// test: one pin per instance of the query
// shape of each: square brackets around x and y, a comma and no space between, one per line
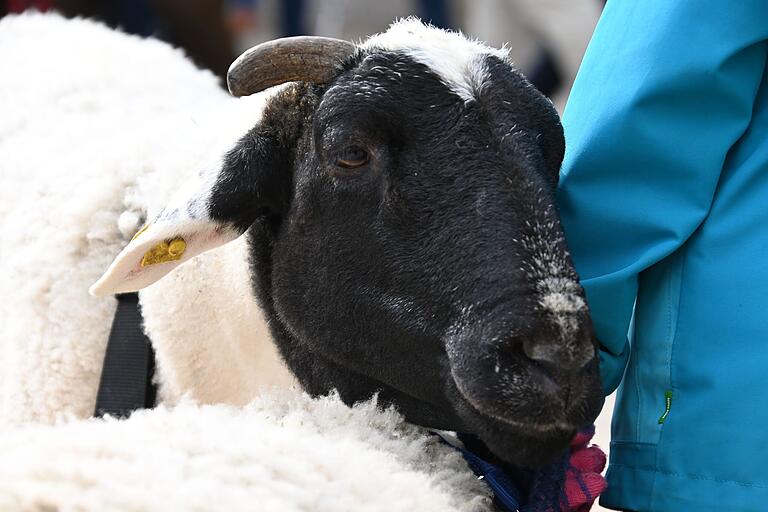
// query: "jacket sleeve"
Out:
[666,88]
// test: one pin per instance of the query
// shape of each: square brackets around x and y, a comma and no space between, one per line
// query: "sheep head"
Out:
[398,203]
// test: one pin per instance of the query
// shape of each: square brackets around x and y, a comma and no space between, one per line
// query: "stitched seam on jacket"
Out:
[631,443]
[673,336]
[689,476]
[638,392]
[683,263]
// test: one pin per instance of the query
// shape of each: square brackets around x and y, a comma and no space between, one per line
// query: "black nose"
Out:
[562,347]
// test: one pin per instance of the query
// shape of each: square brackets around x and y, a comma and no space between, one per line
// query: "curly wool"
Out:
[283,452]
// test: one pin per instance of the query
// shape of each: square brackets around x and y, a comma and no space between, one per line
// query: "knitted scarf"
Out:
[571,484]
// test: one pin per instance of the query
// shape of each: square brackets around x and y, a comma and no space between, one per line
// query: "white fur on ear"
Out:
[159,248]
[182,230]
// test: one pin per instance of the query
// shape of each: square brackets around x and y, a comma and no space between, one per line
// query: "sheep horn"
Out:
[302,58]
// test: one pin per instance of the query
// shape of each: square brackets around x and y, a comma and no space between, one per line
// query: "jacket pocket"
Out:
[648,390]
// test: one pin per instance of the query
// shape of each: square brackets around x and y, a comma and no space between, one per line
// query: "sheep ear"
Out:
[213,209]
[183,230]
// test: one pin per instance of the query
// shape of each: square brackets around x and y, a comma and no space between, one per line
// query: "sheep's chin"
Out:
[535,426]
[523,444]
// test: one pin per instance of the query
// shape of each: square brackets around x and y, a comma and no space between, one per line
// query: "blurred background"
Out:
[546,38]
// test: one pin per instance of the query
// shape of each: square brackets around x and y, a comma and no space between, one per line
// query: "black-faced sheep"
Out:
[401,237]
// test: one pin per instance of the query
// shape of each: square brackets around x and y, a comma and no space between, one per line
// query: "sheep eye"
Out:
[352,158]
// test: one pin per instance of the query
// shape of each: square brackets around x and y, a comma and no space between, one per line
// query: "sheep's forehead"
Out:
[456,59]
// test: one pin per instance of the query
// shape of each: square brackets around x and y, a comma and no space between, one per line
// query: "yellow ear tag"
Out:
[164,252]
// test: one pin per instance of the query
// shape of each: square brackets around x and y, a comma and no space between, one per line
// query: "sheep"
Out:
[385,227]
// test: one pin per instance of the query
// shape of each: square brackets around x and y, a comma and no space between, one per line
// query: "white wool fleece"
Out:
[281,453]
[97,130]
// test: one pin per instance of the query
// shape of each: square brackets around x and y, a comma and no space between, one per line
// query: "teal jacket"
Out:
[664,199]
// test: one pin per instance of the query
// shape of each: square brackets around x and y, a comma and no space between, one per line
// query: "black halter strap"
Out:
[129,363]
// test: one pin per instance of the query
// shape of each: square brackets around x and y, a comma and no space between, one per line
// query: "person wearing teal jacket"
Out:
[664,201]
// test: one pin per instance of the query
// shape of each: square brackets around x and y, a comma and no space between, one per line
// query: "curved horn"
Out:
[302,58]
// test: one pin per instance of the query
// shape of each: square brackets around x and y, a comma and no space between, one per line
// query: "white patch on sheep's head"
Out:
[456,59]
